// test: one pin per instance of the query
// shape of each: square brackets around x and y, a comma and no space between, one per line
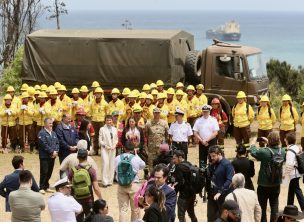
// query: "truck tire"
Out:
[192,67]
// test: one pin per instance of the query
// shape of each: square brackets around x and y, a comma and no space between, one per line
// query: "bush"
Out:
[12,73]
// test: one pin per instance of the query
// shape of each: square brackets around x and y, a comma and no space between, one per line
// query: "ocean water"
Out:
[280,35]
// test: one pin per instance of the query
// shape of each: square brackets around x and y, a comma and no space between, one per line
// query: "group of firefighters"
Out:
[22,117]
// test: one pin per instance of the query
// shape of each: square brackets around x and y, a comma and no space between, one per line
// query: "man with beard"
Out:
[230,212]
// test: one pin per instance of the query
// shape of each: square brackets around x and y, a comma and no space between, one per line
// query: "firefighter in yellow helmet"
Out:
[26,113]
[171,103]
[148,107]
[146,88]
[43,87]
[84,95]
[160,86]
[37,87]
[180,102]
[116,104]
[154,93]
[153,86]
[76,102]
[137,113]
[15,100]
[94,85]
[180,86]
[243,116]
[266,118]
[31,91]
[64,99]
[43,109]
[57,85]
[24,87]
[289,117]
[125,93]
[128,109]
[164,110]
[142,99]
[194,109]
[8,114]
[200,95]
[98,111]
[56,107]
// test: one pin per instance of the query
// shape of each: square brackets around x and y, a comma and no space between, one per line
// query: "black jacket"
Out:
[246,167]
[163,158]
[153,214]
[85,136]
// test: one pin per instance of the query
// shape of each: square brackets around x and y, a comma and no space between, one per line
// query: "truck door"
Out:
[228,76]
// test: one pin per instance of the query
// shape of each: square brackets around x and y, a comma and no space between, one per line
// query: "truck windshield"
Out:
[256,66]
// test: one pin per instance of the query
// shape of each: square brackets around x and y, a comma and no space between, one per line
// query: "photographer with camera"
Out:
[187,196]
[221,173]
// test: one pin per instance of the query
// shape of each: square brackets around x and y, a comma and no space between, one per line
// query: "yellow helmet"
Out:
[132,95]
[161,96]
[24,87]
[149,96]
[286,98]
[61,88]
[146,87]
[31,91]
[200,87]
[75,91]
[179,92]
[98,90]
[95,84]
[126,91]
[42,95]
[179,85]
[7,96]
[153,86]
[37,92]
[241,95]
[37,87]
[136,92]
[57,85]
[84,89]
[142,95]
[154,92]
[115,91]
[264,99]
[43,87]
[170,91]
[50,88]
[190,87]
[159,83]
[10,89]
[24,95]
[53,92]
[137,109]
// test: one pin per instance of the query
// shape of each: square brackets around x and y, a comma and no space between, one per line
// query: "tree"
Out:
[56,10]
[17,18]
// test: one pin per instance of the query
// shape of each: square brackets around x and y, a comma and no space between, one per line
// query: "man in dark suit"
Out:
[67,136]
[11,181]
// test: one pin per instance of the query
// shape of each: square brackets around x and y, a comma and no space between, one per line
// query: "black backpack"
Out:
[196,178]
[300,160]
[275,166]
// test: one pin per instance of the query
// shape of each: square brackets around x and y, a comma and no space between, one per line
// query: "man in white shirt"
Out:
[205,130]
[62,206]
[179,132]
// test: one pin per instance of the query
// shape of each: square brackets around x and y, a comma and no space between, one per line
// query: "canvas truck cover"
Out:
[115,58]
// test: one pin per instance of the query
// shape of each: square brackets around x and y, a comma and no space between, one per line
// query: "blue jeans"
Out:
[294,189]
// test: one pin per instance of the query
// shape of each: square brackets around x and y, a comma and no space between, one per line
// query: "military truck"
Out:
[131,58]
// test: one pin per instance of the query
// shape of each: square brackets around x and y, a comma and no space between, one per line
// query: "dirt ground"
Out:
[109,194]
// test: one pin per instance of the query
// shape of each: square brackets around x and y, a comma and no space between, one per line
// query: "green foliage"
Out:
[12,73]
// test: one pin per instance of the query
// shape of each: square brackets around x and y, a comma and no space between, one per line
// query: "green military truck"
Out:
[131,58]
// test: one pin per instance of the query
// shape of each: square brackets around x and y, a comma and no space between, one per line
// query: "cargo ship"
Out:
[228,32]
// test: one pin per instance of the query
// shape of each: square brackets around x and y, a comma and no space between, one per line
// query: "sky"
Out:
[266,5]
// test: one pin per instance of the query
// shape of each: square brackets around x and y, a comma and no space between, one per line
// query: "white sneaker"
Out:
[42,192]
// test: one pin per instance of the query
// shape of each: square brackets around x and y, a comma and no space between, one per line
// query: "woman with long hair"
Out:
[99,213]
[84,132]
[133,133]
[155,209]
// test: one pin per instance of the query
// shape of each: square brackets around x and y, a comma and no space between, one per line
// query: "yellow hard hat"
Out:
[42,95]
[126,91]
[190,87]
[137,109]
[50,88]
[43,87]
[170,91]
[200,86]
[31,91]
[179,92]
[264,99]
[136,92]
[146,87]
[61,88]
[179,85]
[161,96]
[153,86]
[37,87]
[24,95]
[286,98]
[95,84]
[53,92]
[57,85]
[149,96]
[37,92]
[75,91]
[115,91]
[241,95]
[10,89]
[24,87]
[98,90]
[154,92]
[7,96]
[159,83]
[142,95]
[132,95]
[84,89]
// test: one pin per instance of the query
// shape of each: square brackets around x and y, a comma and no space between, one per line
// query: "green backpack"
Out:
[125,174]
[81,182]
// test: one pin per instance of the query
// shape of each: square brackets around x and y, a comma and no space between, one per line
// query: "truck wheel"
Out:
[192,67]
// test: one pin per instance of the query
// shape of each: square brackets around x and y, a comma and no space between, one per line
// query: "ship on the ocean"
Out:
[228,32]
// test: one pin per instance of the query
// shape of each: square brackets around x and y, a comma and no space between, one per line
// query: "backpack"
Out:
[196,178]
[81,182]
[269,111]
[275,166]
[125,172]
[300,160]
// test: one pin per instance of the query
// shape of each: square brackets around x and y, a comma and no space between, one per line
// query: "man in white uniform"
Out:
[62,206]
[179,132]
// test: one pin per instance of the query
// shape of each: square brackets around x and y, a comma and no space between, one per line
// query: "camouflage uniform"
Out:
[157,133]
